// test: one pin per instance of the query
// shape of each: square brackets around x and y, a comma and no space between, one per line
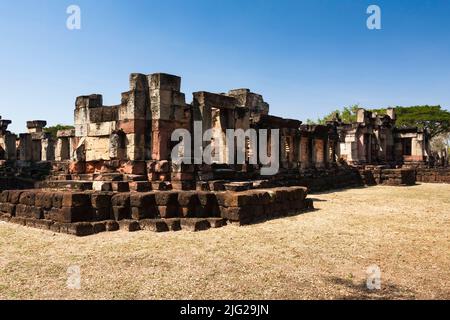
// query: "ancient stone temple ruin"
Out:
[374,139]
[115,168]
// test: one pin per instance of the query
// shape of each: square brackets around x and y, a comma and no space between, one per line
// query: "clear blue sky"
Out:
[306,57]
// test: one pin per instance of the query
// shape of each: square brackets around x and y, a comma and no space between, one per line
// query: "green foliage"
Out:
[347,114]
[54,129]
[434,118]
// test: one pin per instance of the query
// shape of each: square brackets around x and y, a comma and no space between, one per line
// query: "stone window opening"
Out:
[407,146]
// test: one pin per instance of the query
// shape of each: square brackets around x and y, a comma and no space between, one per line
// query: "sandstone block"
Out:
[121,199]
[129,225]
[111,225]
[120,212]
[26,211]
[165,198]
[156,225]
[81,229]
[27,198]
[217,222]
[76,199]
[70,214]
[194,224]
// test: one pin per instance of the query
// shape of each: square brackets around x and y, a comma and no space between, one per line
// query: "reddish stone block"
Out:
[120,212]
[102,214]
[44,200]
[194,224]
[18,220]
[8,208]
[76,199]
[121,199]
[237,213]
[26,211]
[147,199]
[166,197]
[27,198]
[57,199]
[174,224]
[138,213]
[14,196]
[129,225]
[162,166]
[136,126]
[70,214]
[43,224]
[77,167]
[169,211]
[5,217]
[133,167]
[156,225]
[181,176]
[101,200]
[80,229]
[111,225]
[235,199]
[140,186]
[120,186]
[4,196]
[217,222]
[99,226]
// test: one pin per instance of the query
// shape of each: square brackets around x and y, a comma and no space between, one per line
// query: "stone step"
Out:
[65,185]
[228,174]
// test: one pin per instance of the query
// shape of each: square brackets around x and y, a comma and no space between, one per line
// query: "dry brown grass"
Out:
[321,254]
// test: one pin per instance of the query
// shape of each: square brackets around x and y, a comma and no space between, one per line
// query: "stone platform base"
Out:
[86,212]
[82,229]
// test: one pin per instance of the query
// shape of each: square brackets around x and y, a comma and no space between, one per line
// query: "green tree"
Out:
[347,114]
[54,129]
[434,118]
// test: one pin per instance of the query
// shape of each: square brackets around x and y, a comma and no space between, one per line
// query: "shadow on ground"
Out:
[359,290]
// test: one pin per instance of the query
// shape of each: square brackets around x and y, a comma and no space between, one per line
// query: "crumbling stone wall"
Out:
[433,175]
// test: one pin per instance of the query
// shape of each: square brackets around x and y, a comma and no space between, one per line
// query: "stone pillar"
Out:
[36,126]
[117,147]
[7,141]
[304,152]
[318,153]
[168,111]
[25,147]
[62,151]
[48,148]
[8,146]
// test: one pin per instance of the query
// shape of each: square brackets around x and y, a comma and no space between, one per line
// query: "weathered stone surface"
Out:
[129,225]
[99,226]
[27,211]
[120,212]
[121,199]
[217,222]
[111,225]
[166,198]
[27,198]
[70,214]
[76,199]
[80,229]
[156,225]
[194,224]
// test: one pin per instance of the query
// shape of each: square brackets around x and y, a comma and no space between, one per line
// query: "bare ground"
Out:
[322,254]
